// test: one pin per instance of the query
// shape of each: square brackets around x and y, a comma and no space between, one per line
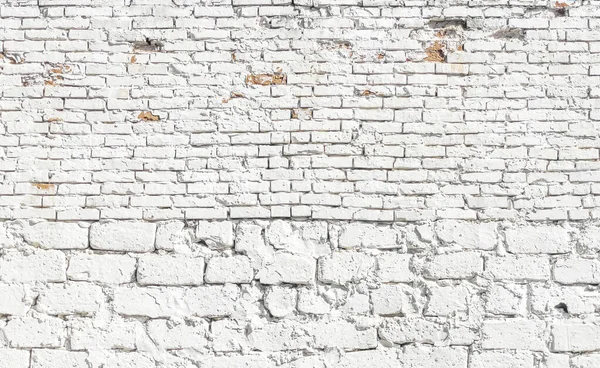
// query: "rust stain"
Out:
[266,79]
[232,96]
[148,116]
[43,186]
[133,59]
[50,82]
[61,69]
[233,56]
[435,52]
[380,56]
[561,5]
[54,119]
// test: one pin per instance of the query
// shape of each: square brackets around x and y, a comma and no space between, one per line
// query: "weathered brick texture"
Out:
[299,183]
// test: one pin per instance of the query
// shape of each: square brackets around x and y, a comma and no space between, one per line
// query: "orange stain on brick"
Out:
[148,116]
[43,186]
[266,79]
[435,52]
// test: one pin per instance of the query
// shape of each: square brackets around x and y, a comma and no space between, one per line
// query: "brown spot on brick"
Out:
[50,82]
[460,47]
[561,9]
[233,57]
[133,59]
[266,79]
[232,96]
[367,92]
[380,56]
[43,186]
[61,69]
[15,59]
[303,114]
[435,52]
[148,116]
[54,119]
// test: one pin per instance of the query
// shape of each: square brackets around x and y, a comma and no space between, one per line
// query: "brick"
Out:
[538,239]
[48,266]
[454,265]
[514,334]
[192,333]
[288,268]
[468,235]
[235,270]
[56,235]
[69,299]
[574,336]
[123,236]
[29,332]
[519,268]
[577,271]
[344,267]
[14,358]
[205,301]
[103,268]
[170,270]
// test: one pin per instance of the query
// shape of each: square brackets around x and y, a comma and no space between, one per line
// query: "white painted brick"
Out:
[541,239]
[280,301]
[14,358]
[170,270]
[410,330]
[13,301]
[103,268]
[72,298]
[468,235]
[497,359]
[235,270]
[394,267]
[217,234]
[177,334]
[370,236]
[123,236]
[577,271]
[344,267]
[29,332]
[56,235]
[415,179]
[48,266]
[454,265]
[518,268]
[49,358]
[288,268]
[574,336]
[205,301]
[395,299]
[115,334]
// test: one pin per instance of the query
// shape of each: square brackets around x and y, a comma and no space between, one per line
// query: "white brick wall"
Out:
[299,183]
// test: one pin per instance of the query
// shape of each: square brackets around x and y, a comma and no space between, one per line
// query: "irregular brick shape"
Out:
[289,269]
[170,270]
[103,268]
[538,239]
[123,236]
[57,235]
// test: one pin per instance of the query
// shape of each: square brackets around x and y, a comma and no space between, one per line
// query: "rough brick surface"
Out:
[299,183]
